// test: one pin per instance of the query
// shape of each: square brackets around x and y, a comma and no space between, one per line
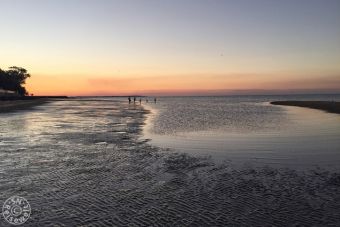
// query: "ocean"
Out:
[247,129]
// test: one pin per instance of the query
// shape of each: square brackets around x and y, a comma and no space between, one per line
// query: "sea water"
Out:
[247,129]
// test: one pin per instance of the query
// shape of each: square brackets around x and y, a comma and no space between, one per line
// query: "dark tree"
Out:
[13,79]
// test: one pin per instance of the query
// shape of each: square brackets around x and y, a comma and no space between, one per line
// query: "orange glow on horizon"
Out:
[171,84]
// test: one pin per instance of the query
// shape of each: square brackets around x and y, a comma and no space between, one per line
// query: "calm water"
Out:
[247,129]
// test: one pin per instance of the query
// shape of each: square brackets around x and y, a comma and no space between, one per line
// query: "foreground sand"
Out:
[332,107]
[85,165]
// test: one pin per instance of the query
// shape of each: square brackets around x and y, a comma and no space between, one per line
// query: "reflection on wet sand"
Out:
[246,130]
[94,169]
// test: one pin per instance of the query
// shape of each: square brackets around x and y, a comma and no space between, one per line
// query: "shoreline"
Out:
[18,105]
[328,106]
[24,103]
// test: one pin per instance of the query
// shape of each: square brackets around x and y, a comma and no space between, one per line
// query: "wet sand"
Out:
[9,104]
[106,175]
[331,107]
[16,105]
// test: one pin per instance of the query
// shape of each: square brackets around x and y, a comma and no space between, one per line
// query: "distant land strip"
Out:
[328,106]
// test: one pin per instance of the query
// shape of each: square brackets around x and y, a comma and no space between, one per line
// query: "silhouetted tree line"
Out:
[13,79]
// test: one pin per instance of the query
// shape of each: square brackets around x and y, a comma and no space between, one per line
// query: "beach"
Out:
[170,113]
[6,106]
[84,162]
[10,104]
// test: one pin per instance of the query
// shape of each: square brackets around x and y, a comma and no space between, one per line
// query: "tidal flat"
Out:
[83,162]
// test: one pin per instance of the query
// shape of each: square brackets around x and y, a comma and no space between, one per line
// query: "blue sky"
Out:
[267,42]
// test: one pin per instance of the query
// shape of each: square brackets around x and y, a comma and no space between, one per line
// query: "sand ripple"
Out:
[98,177]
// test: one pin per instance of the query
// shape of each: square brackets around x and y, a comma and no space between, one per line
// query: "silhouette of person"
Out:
[140,101]
[147,100]
[129,99]
[155,100]
[134,99]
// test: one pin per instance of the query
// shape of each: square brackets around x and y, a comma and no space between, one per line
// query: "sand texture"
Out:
[103,174]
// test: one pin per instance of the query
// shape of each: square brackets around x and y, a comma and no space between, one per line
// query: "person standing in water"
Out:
[155,99]
[129,99]
[134,100]
[140,101]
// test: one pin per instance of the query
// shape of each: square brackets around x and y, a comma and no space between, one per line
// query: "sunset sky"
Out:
[174,47]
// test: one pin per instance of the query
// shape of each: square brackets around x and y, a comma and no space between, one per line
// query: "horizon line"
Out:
[246,92]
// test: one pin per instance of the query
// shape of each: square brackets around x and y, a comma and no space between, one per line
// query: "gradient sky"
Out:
[102,47]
